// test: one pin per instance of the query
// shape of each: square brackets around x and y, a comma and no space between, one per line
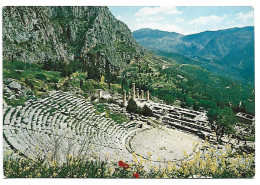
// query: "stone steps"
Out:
[38,122]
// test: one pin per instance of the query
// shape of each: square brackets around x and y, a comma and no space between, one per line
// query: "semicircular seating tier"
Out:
[64,124]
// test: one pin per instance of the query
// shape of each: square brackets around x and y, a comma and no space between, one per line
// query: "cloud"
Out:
[150,19]
[207,19]
[162,10]
[245,16]
[179,20]
[156,18]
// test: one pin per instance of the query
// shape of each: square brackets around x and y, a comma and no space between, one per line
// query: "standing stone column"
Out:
[99,94]
[129,95]
[147,96]
[137,93]
[133,84]
[124,98]
[142,94]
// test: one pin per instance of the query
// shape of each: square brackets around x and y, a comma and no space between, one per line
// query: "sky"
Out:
[184,19]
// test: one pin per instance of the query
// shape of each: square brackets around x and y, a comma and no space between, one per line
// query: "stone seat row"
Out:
[23,124]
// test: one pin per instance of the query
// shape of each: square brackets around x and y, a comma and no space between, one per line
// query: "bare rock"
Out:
[12,97]
[15,86]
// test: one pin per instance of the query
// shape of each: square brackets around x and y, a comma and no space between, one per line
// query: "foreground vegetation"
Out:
[202,164]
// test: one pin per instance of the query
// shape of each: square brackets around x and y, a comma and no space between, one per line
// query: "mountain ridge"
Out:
[208,46]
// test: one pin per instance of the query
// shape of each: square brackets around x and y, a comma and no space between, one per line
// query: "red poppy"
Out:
[121,164]
[136,175]
[125,166]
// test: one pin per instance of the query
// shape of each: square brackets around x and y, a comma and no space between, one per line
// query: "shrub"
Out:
[132,106]
[40,76]
[146,111]
[118,118]
[110,101]
[87,86]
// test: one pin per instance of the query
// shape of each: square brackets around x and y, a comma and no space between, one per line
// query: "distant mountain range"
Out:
[226,52]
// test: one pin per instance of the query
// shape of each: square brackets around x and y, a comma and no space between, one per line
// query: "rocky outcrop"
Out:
[15,86]
[13,89]
[65,34]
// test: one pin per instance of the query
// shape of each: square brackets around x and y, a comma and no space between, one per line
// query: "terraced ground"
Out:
[62,124]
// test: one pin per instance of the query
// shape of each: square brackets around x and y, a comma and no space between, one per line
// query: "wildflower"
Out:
[70,156]
[136,175]
[111,170]
[149,154]
[141,159]
[164,175]
[134,154]
[135,160]
[125,166]
[169,166]
[213,168]
[55,174]
[242,166]
[38,175]
[185,153]
[121,164]
[53,163]
[174,166]
[49,155]
[8,152]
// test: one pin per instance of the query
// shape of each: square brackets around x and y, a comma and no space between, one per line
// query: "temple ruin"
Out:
[133,89]
[175,117]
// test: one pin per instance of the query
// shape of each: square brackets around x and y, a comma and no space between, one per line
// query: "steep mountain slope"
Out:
[65,34]
[156,39]
[232,48]
[146,32]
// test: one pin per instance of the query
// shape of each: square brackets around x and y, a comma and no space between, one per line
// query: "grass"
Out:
[250,138]
[31,76]
[118,117]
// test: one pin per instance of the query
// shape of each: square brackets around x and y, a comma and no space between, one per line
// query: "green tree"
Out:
[196,106]
[146,111]
[190,102]
[87,86]
[108,72]
[222,121]
[132,106]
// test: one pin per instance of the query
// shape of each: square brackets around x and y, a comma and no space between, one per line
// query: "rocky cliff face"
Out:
[82,34]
